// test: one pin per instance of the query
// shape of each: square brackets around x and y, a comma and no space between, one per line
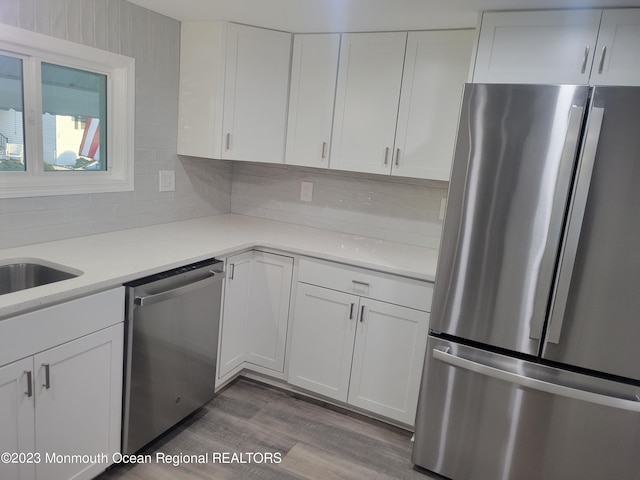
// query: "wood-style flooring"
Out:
[313,441]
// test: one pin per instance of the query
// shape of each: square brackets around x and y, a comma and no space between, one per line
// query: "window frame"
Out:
[33,49]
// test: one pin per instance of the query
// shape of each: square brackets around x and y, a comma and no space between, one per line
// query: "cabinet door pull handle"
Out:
[47,376]
[362,314]
[386,156]
[397,157]
[232,266]
[604,54]
[29,392]
[586,57]
[358,282]
[324,149]
[351,311]
[228,142]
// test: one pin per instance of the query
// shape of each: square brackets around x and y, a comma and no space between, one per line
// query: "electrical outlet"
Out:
[306,191]
[167,181]
[443,208]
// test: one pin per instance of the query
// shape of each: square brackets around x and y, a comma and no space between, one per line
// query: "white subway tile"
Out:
[113,25]
[9,12]
[27,14]
[58,18]
[126,28]
[87,22]
[74,20]
[101,24]
[43,17]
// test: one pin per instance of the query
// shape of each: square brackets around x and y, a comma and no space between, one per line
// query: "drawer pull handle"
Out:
[362,314]
[351,311]
[358,282]
[47,376]
[29,392]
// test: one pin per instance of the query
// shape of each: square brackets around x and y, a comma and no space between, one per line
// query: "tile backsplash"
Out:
[202,187]
[390,208]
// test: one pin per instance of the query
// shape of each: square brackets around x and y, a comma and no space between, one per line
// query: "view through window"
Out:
[73,119]
[12,156]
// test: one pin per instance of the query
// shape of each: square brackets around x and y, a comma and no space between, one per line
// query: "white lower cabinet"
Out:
[234,321]
[355,349]
[387,359]
[17,431]
[63,401]
[64,394]
[256,312]
[322,344]
[78,388]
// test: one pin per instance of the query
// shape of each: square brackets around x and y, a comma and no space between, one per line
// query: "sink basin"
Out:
[28,274]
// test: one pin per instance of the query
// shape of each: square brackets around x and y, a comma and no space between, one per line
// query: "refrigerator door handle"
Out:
[574,222]
[569,152]
[536,384]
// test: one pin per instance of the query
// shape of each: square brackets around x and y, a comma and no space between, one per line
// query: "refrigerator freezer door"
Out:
[510,182]
[487,416]
[594,319]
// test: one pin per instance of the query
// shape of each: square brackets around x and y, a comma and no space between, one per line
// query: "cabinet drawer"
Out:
[33,332]
[367,283]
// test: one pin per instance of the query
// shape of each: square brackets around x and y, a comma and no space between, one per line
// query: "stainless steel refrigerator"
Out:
[532,368]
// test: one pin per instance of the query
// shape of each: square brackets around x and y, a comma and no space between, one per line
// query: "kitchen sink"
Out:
[31,273]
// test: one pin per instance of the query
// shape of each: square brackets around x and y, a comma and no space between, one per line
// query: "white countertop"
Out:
[110,259]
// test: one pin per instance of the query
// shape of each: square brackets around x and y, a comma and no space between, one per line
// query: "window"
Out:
[66,117]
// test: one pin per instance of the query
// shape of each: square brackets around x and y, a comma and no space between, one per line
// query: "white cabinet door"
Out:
[17,430]
[235,312]
[201,92]
[268,310]
[435,70]
[617,60]
[256,92]
[555,46]
[324,327]
[387,360]
[78,393]
[314,68]
[367,97]
[256,311]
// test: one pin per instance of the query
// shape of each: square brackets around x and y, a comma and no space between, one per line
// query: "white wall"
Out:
[202,187]
[399,209]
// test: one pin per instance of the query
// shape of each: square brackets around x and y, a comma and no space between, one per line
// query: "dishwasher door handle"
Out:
[176,292]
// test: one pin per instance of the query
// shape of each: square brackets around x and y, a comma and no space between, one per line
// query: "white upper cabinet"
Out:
[367,96]
[234,84]
[314,68]
[617,60]
[256,94]
[435,69]
[537,46]
[595,47]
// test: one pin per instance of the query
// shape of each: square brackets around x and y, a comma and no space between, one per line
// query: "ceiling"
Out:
[356,15]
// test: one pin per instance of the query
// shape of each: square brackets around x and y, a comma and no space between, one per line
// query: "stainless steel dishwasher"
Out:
[170,349]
